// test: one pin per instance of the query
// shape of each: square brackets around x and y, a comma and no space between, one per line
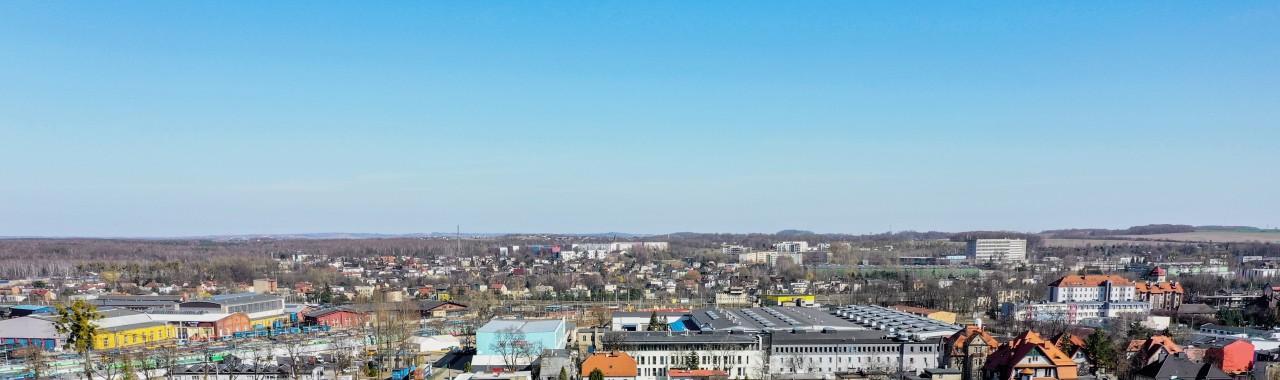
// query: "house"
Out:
[1235,358]
[553,362]
[967,351]
[1073,346]
[1029,356]
[615,365]
[1178,367]
[1151,350]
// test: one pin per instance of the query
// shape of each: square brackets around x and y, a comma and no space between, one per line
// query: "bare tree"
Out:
[36,360]
[166,357]
[515,349]
[391,324]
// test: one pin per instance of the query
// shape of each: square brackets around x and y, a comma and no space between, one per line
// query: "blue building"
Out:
[547,334]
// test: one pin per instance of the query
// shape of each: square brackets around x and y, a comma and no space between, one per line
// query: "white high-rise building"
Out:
[998,250]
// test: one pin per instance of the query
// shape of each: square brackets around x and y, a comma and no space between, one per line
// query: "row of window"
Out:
[850,349]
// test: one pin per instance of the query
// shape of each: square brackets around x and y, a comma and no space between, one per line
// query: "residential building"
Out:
[553,362]
[614,365]
[1029,356]
[1235,358]
[997,250]
[1073,312]
[791,246]
[1093,288]
[967,351]
[1178,367]
[1161,293]
[656,353]
[1151,350]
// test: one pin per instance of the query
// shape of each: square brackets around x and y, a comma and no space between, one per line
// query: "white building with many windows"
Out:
[997,250]
[851,351]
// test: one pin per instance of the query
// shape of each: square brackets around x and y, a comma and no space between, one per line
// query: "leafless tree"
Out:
[515,349]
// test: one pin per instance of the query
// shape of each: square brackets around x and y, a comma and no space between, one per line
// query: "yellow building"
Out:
[150,333]
[269,322]
[787,299]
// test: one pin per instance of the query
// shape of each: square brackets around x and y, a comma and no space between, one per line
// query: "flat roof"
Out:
[759,319]
[523,326]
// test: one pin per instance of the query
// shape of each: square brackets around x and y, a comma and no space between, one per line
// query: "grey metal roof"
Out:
[642,337]
[761,319]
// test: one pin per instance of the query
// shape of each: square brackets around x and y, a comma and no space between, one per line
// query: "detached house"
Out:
[1029,357]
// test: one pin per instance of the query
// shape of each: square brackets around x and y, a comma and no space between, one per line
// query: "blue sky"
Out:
[185,118]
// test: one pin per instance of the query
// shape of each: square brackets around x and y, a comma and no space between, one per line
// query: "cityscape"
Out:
[1141,302]
[640,190]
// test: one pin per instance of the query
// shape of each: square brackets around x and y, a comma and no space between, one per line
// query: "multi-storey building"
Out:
[967,351]
[658,352]
[1159,292]
[997,250]
[1029,357]
[1097,288]
[850,351]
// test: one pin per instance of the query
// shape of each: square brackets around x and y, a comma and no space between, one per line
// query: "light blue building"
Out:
[540,333]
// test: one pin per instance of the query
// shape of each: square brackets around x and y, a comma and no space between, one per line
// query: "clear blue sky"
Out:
[193,118]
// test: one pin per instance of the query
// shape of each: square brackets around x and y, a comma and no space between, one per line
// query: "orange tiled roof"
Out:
[1091,281]
[962,337]
[1159,287]
[1006,358]
[612,364]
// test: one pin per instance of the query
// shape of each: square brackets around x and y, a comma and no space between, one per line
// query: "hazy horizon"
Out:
[192,119]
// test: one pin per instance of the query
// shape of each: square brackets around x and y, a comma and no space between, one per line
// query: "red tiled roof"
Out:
[612,364]
[1091,281]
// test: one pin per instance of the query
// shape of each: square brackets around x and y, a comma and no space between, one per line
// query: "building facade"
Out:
[997,250]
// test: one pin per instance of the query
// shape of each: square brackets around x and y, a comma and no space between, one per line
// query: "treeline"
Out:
[1150,229]
[23,258]
[1033,240]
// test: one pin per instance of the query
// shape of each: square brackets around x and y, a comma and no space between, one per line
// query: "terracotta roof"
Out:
[1153,342]
[1159,287]
[1091,281]
[1005,360]
[612,364]
[961,338]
